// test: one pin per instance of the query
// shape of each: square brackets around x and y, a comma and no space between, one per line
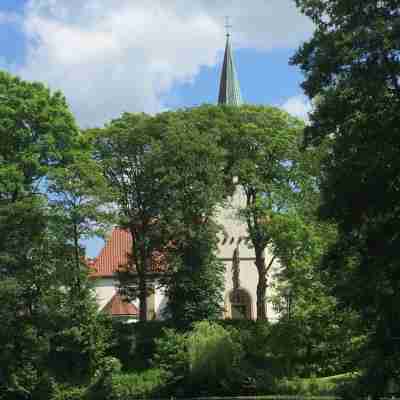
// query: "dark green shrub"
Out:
[142,385]
[213,355]
[171,355]
[132,386]
[204,360]
[134,344]
[69,393]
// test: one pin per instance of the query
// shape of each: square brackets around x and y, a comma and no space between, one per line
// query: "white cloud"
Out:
[114,56]
[298,106]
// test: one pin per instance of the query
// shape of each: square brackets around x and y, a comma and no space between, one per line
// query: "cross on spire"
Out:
[228,25]
[229,88]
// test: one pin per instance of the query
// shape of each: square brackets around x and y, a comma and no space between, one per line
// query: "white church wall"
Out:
[272,314]
[234,235]
[160,302]
[248,278]
[105,289]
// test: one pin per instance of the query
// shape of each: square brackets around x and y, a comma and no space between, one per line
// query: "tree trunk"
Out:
[142,298]
[77,260]
[139,262]
[261,285]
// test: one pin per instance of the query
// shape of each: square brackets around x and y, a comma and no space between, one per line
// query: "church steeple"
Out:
[229,89]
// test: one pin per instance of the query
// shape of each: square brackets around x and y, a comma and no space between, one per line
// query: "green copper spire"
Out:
[229,89]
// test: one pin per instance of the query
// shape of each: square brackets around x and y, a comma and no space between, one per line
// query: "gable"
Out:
[117,306]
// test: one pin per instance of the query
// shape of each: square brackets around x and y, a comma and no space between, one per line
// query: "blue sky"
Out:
[152,56]
[265,78]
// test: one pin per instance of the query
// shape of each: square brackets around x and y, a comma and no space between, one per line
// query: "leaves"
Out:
[40,151]
[352,65]
[263,153]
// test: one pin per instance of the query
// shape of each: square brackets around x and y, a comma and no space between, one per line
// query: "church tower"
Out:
[229,89]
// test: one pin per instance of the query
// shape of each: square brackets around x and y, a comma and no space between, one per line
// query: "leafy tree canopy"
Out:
[263,157]
[352,68]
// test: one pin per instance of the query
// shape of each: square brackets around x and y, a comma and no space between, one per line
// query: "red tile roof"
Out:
[118,307]
[115,254]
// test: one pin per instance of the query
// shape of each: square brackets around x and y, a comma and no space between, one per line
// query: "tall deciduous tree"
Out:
[125,150]
[352,65]
[38,137]
[37,134]
[167,176]
[78,195]
[263,150]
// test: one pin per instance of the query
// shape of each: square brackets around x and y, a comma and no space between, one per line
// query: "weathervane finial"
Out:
[228,26]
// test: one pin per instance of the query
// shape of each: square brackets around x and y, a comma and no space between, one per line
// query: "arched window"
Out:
[240,304]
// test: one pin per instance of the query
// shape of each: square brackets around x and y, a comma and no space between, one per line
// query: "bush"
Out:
[134,344]
[143,385]
[172,356]
[214,356]
[206,359]
[69,393]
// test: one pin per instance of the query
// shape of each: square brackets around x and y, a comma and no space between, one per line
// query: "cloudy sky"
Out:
[110,56]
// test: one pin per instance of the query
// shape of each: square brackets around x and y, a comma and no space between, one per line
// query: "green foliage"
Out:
[166,176]
[351,67]
[306,387]
[80,343]
[126,152]
[135,344]
[171,355]
[263,156]
[37,132]
[213,355]
[328,386]
[205,359]
[192,164]
[325,337]
[48,330]
[132,386]
[195,284]
[69,393]
[262,355]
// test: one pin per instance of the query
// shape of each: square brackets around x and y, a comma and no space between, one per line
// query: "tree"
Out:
[192,164]
[325,338]
[37,133]
[38,136]
[77,194]
[166,173]
[263,149]
[125,150]
[351,65]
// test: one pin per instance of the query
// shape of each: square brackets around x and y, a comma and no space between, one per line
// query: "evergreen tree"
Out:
[351,66]
[192,164]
